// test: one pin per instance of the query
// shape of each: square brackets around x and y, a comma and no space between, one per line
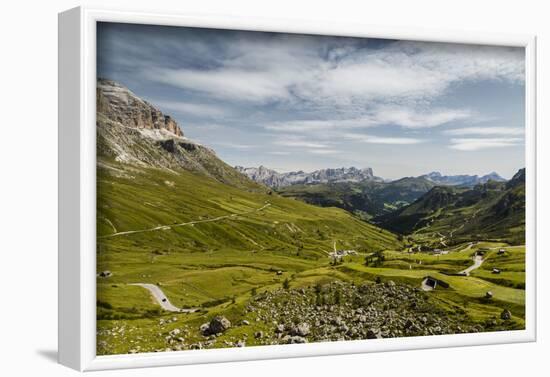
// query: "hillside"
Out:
[494,210]
[170,211]
[365,199]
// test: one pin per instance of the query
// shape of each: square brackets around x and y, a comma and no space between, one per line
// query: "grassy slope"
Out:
[218,264]
[486,212]
[205,262]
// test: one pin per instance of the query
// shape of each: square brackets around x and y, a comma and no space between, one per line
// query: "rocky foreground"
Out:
[332,312]
[340,311]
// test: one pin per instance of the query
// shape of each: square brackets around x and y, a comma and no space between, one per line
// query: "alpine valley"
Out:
[193,253]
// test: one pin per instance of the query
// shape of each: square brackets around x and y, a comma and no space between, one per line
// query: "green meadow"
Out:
[212,247]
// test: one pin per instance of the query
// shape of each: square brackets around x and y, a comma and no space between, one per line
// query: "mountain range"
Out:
[366,198]
[275,179]
[461,180]
[491,210]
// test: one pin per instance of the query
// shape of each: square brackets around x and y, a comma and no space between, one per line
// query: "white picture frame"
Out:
[77,200]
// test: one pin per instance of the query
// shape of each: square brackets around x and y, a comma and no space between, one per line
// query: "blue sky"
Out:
[297,102]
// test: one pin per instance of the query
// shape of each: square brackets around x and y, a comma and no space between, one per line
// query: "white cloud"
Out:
[297,143]
[197,109]
[231,84]
[306,126]
[323,151]
[381,115]
[293,69]
[471,144]
[234,145]
[504,131]
[279,153]
[411,118]
[371,139]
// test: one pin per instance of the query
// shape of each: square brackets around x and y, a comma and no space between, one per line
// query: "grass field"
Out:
[212,246]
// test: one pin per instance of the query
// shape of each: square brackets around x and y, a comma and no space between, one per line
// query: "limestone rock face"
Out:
[132,131]
[119,104]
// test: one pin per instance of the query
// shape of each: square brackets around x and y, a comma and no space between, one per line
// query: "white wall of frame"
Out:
[28,150]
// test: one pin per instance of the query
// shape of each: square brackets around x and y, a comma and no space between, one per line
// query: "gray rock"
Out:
[302,329]
[205,329]
[175,332]
[373,334]
[219,324]
[506,315]
[296,340]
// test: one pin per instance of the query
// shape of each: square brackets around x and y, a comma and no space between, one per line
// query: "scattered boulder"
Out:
[489,295]
[302,329]
[259,334]
[373,334]
[219,324]
[506,315]
[105,274]
[295,340]
[205,329]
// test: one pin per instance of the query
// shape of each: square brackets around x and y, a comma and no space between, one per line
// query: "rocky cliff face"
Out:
[132,131]
[119,104]
[272,178]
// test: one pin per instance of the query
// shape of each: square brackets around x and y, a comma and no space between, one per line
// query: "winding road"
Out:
[167,227]
[161,298]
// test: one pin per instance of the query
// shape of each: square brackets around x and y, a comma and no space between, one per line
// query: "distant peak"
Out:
[434,174]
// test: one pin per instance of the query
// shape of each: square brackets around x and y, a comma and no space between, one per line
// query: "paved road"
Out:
[478,261]
[161,298]
[167,227]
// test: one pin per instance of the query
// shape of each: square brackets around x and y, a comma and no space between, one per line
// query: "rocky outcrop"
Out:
[132,131]
[119,104]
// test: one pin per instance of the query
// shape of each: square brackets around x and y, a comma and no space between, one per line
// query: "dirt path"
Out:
[167,227]
[161,298]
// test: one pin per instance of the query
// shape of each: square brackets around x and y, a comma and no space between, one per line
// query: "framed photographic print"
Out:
[234,189]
